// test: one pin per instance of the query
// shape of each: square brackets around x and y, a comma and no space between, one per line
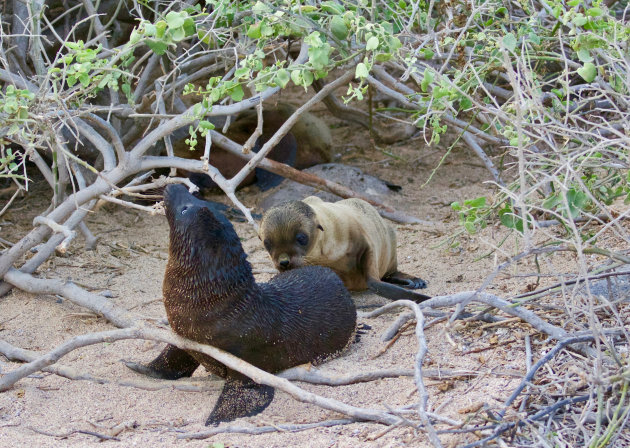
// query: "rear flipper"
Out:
[405,280]
[171,364]
[395,292]
[240,398]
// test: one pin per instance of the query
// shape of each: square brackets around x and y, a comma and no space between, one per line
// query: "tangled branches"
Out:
[538,92]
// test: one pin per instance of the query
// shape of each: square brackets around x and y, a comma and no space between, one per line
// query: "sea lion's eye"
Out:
[302,239]
[267,244]
[184,210]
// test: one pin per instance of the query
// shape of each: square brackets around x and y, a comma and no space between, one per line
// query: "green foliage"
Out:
[15,104]
[472,214]
[8,162]
[451,61]
[89,72]
[167,32]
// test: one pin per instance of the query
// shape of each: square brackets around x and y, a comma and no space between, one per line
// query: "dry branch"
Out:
[233,429]
[229,360]
[97,303]
[315,181]
[17,354]
[489,299]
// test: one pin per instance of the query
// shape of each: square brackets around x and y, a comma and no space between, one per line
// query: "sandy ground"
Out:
[130,260]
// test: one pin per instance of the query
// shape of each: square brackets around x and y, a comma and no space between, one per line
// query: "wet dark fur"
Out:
[210,296]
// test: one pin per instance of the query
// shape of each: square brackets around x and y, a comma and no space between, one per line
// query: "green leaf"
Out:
[594,12]
[178,34]
[372,43]
[314,39]
[577,201]
[307,78]
[11,107]
[338,27]
[332,8]
[266,30]
[205,124]
[559,93]
[242,72]
[236,93]
[584,55]
[204,37]
[552,202]
[261,8]
[534,38]
[318,56]
[103,82]
[470,227]
[427,80]
[383,57]
[157,46]
[509,42]
[175,19]
[361,71]
[465,104]
[456,206]
[22,113]
[579,20]
[160,29]
[74,45]
[189,27]
[510,220]
[84,78]
[296,77]
[149,29]
[394,43]
[254,31]
[427,53]
[476,203]
[588,72]
[283,77]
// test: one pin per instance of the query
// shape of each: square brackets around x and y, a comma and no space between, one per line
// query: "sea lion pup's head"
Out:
[198,233]
[288,231]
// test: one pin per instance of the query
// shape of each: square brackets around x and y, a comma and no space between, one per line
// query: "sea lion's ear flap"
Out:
[319,226]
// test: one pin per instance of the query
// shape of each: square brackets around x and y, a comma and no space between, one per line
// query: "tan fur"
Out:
[348,236]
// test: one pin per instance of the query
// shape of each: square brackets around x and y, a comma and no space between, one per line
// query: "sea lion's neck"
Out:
[204,276]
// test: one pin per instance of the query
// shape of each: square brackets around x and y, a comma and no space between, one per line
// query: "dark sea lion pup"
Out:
[348,236]
[210,296]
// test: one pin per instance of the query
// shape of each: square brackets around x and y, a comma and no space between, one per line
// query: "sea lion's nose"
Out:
[284,261]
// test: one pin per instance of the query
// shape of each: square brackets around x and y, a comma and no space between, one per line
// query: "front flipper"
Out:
[240,398]
[395,292]
[171,364]
[405,280]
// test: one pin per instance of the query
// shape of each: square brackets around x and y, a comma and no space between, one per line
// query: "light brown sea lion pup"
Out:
[348,236]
